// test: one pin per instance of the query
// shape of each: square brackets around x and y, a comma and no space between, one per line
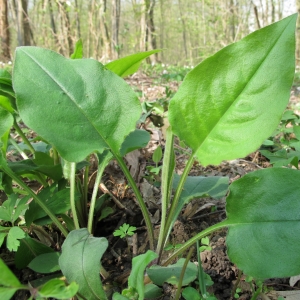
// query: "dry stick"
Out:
[117,202]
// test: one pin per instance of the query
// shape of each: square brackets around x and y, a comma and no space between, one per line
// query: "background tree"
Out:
[189,30]
[4,31]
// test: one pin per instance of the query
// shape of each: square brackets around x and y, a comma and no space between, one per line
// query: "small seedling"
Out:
[125,230]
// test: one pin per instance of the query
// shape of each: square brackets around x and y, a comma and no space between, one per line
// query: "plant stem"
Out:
[139,199]
[194,239]
[24,138]
[22,153]
[170,218]
[8,171]
[72,193]
[166,186]
[178,292]
[85,188]
[101,167]
[201,275]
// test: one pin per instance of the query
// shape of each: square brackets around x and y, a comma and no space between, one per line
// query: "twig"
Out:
[104,189]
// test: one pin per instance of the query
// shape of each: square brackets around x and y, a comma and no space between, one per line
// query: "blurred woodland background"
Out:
[188,30]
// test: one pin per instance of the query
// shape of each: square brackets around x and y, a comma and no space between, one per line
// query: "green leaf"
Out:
[29,166]
[2,237]
[129,64]
[118,296]
[7,293]
[6,104]
[157,155]
[7,278]
[171,273]
[263,217]
[9,282]
[91,107]
[28,250]
[13,237]
[78,51]
[80,262]
[199,186]
[220,110]
[11,209]
[190,293]
[45,263]
[136,278]
[57,201]
[152,291]
[56,288]
[135,140]
[6,121]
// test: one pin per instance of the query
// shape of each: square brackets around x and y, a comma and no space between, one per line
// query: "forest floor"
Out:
[195,217]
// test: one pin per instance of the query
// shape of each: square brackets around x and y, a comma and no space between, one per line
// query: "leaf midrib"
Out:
[248,82]
[68,94]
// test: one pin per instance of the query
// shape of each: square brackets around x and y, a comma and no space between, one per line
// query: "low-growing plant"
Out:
[224,109]
[283,147]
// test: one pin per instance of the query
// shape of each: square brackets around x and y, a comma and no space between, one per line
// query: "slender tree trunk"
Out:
[182,19]
[4,31]
[27,33]
[104,31]
[115,25]
[66,26]
[150,32]
[77,19]
[143,26]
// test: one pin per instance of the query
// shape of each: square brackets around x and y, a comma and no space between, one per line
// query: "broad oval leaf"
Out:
[80,262]
[75,104]
[263,218]
[231,102]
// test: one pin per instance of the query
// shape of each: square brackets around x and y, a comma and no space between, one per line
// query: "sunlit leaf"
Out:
[222,109]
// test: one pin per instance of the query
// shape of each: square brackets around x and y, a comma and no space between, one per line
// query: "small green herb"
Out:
[125,230]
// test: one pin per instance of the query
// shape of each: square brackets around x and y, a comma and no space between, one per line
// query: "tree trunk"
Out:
[150,32]
[65,23]
[4,31]
[104,31]
[27,33]
[115,25]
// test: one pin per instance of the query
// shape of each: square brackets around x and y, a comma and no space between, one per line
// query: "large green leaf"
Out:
[6,121]
[8,281]
[135,280]
[80,262]
[129,64]
[75,104]
[171,273]
[28,250]
[222,109]
[264,221]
